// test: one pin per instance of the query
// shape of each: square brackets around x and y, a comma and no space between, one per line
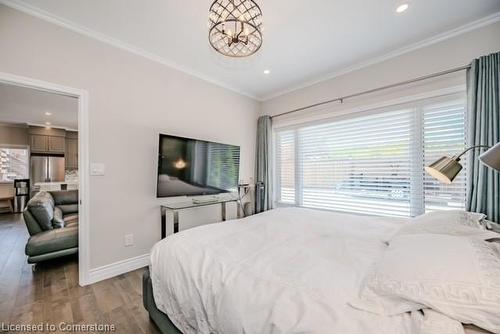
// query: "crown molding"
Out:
[62,22]
[14,125]
[40,125]
[485,21]
[24,125]
[57,20]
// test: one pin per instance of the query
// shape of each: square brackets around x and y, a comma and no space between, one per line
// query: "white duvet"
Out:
[288,270]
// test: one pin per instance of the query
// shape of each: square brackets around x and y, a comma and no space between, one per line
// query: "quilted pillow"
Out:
[456,276]
[453,222]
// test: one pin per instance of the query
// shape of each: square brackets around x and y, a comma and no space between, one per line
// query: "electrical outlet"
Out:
[97,169]
[129,240]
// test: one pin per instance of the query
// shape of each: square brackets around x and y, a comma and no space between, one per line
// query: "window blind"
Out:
[444,134]
[372,164]
[285,167]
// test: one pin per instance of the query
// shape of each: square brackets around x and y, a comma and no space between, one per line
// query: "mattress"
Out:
[289,270]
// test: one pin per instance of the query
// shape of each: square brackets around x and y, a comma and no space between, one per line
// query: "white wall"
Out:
[450,53]
[131,100]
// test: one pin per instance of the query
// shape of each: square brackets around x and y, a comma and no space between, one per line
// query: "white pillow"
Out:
[457,276]
[453,222]
[436,323]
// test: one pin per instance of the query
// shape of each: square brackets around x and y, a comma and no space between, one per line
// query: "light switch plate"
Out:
[129,240]
[97,169]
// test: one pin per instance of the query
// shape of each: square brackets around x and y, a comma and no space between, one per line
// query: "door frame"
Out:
[83,160]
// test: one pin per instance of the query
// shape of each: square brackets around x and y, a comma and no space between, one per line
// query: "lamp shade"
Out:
[491,158]
[444,169]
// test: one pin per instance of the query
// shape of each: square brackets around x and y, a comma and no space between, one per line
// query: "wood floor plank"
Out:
[85,309]
[13,267]
[123,321]
[51,294]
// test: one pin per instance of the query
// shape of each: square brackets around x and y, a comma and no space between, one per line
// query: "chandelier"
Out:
[235,27]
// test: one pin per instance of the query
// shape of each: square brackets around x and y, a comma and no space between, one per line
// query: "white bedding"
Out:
[288,270]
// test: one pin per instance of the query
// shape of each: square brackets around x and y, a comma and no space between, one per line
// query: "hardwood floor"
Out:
[52,295]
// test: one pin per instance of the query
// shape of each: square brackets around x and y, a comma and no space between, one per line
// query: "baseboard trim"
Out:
[117,268]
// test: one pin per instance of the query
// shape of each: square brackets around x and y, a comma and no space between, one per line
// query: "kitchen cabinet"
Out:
[71,153]
[47,144]
[56,144]
[38,143]
[47,141]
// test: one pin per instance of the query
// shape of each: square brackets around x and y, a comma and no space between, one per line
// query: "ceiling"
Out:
[20,105]
[304,41]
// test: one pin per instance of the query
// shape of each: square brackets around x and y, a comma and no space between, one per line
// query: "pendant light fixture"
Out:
[235,27]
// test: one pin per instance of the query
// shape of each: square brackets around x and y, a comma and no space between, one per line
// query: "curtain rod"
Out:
[341,99]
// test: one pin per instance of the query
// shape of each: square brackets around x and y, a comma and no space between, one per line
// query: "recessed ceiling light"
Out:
[267,71]
[403,7]
[48,113]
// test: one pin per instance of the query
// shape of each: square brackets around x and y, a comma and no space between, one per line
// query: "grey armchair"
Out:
[52,222]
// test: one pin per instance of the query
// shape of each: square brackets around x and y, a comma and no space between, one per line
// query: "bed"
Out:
[288,270]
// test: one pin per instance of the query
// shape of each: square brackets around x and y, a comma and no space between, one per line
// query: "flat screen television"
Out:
[191,167]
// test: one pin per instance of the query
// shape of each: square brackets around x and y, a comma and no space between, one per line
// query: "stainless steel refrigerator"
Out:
[46,169]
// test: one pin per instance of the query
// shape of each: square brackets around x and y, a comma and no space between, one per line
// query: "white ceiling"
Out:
[303,40]
[20,105]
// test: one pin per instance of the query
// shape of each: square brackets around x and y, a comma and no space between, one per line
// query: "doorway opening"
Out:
[43,178]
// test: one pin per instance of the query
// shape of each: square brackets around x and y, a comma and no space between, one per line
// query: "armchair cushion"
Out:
[62,197]
[41,207]
[52,241]
[31,223]
[69,208]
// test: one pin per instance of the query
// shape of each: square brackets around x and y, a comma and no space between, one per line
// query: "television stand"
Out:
[189,204]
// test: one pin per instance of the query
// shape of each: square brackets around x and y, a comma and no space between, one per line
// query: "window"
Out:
[444,133]
[13,163]
[373,164]
[286,172]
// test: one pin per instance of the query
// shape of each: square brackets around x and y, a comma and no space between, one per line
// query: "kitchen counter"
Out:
[54,186]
